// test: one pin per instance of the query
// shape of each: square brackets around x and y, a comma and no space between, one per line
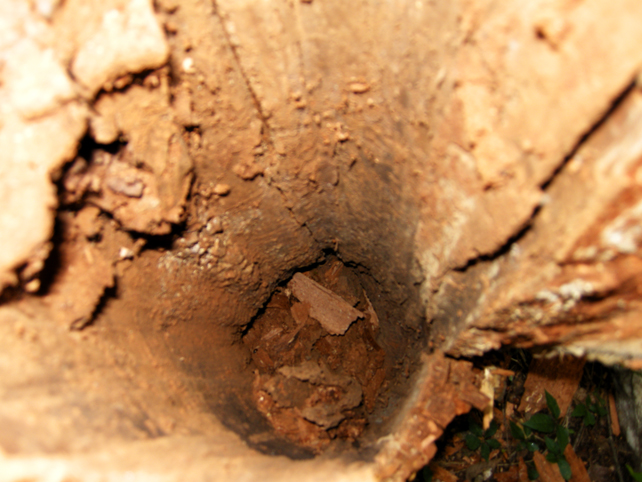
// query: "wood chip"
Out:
[615,420]
[578,470]
[559,376]
[488,388]
[299,313]
[510,475]
[329,309]
[502,372]
[359,87]
[547,472]
[523,471]
[439,473]
[374,319]
[457,445]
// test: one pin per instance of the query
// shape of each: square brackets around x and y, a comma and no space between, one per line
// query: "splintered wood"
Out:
[447,388]
[330,310]
[560,377]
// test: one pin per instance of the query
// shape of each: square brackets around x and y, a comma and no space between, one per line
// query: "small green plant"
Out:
[477,438]
[422,475]
[637,476]
[592,407]
[545,430]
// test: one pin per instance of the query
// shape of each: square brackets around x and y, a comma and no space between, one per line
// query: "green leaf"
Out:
[565,468]
[425,474]
[476,429]
[541,422]
[491,430]
[527,431]
[516,431]
[601,410]
[485,451]
[532,447]
[551,457]
[589,419]
[637,476]
[494,444]
[579,410]
[533,474]
[552,405]
[552,446]
[562,437]
[472,442]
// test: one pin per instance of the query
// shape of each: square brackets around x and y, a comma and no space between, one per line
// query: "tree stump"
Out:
[464,175]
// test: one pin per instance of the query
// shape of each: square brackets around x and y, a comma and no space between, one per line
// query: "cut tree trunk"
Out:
[466,175]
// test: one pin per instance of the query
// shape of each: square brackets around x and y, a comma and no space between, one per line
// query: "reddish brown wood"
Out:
[559,376]
[329,309]
[578,469]
[547,472]
[615,420]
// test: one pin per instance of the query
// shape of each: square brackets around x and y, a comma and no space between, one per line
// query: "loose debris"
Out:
[447,389]
[319,369]
[334,314]
[577,466]
[615,421]
[560,377]
[547,472]
[94,252]
[581,408]
[46,79]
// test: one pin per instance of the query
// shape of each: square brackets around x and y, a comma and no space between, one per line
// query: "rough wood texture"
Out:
[572,280]
[478,160]
[446,388]
[329,309]
[559,376]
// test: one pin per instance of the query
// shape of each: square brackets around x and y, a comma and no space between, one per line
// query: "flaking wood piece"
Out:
[329,309]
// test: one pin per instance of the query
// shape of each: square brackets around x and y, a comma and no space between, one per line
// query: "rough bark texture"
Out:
[166,166]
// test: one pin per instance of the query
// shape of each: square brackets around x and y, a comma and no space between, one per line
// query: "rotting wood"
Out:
[314,386]
[572,279]
[523,471]
[448,388]
[440,473]
[479,131]
[329,309]
[547,472]
[615,420]
[560,376]
[578,470]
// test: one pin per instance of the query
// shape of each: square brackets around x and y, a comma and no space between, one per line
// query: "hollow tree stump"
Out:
[167,167]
